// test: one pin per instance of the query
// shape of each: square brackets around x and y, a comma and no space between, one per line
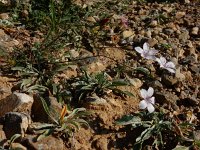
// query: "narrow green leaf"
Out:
[46,108]
[45,134]
[128,93]
[119,83]
[138,146]
[178,147]
[61,68]
[44,126]
[55,88]
[75,124]
[14,137]
[37,87]
[144,71]
[146,134]
[197,142]
[126,120]
[18,68]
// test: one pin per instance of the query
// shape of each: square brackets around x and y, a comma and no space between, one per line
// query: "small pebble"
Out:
[154,23]
[180,14]
[4,16]
[195,31]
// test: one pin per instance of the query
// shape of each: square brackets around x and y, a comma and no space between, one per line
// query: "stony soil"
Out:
[176,25]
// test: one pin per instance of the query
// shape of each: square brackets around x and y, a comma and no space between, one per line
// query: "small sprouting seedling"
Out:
[170,66]
[67,122]
[98,84]
[147,52]
[165,46]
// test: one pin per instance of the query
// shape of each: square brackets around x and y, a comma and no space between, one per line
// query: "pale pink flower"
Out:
[147,52]
[124,21]
[166,65]
[148,101]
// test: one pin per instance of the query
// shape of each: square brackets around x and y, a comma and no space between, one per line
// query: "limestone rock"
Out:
[169,80]
[195,30]
[168,98]
[152,42]
[137,83]
[197,135]
[101,144]
[184,36]
[91,19]
[47,143]
[180,14]
[16,123]
[16,102]
[154,23]
[2,135]
[17,146]
[4,16]
[38,112]
[128,34]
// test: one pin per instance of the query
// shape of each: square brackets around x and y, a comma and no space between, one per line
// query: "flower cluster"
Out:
[150,53]
[147,95]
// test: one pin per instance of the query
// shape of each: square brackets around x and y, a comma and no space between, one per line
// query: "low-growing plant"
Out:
[165,46]
[64,125]
[158,130]
[99,83]
[38,74]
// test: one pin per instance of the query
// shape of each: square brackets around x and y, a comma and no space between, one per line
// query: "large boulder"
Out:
[38,112]
[16,123]
[16,102]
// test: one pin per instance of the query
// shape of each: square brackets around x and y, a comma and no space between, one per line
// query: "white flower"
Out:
[166,65]
[148,100]
[147,52]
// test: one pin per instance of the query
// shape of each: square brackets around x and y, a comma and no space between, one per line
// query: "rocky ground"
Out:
[172,28]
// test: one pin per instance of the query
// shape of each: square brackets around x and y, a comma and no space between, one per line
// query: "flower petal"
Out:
[139,50]
[172,70]
[170,65]
[151,100]
[150,92]
[150,57]
[145,46]
[143,93]
[150,108]
[152,52]
[163,61]
[158,60]
[143,104]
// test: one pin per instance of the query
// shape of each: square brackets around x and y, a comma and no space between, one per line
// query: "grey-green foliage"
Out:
[8,144]
[153,124]
[99,84]
[66,124]
[31,79]
[38,76]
